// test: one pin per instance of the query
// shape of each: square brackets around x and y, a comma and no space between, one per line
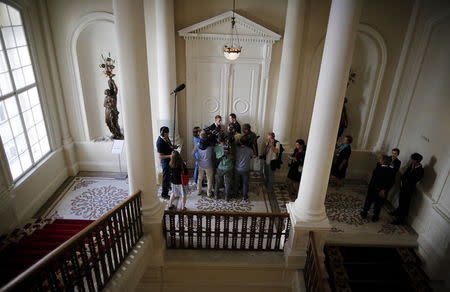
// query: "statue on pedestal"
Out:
[110,103]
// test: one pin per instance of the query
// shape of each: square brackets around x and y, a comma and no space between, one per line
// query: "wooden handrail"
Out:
[225,213]
[42,263]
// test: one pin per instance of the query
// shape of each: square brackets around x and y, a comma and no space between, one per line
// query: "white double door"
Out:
[221,88]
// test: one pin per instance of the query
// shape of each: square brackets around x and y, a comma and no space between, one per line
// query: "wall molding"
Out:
[71,45]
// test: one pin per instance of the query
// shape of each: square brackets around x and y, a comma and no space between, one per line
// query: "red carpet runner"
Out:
[17,257]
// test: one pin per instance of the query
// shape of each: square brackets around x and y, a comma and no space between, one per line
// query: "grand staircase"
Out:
[18,256]
[374,269]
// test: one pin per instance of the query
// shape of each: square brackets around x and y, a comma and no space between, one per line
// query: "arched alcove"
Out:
[92,36]
[369,62]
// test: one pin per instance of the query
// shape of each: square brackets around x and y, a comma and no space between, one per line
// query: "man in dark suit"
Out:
[409,179]
[395,162]
[380,183]
[233,121]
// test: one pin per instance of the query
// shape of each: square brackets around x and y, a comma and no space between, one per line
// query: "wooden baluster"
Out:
[79,282]
[288,227]
[216,231]
[139,207]
[252,232]
[95,261]
[86,266]
[234,235]
[172,230]
[64,271]
[108,254]
[270,233]
[226,230]
[122,232]
[126,221]
[137,218]
[262,231]
[278,242]
[190,231]
[130,226]
[181,229]
[53,282]
[113,238]
[134,221]
[208,231]
[101,253]
[199,230]
[164,227]
[244,232]
[118,232]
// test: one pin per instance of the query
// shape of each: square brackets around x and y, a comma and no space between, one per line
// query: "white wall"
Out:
[421,124]
[96,39]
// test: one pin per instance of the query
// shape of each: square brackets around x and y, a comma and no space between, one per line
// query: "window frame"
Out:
[38,84]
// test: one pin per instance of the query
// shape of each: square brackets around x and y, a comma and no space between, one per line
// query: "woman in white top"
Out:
[271,150]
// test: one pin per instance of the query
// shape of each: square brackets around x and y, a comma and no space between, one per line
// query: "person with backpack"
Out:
[178,171]
[203,154]
[272,156]
[242,167]
[224,170]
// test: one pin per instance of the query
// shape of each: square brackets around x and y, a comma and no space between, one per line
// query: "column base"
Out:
[295,250]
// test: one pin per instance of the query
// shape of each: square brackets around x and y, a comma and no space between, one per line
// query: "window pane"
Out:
[28,119]
[37,114]
[41,131]
[25,160]
[5,132]
[24,56]
[20,36]
[14,15]
[18,78]
[24,101]
[8,36]
[45,147]
[3,67]
[10,150]
[11,107]
[3,116]
[29,75]
[21,143]
[4,18]
[16,126]
[5,83]
[32,135]
[13,57]
[34,97]
[16,169]
[36,150]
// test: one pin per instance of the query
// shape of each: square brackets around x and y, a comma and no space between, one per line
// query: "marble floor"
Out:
[88,197]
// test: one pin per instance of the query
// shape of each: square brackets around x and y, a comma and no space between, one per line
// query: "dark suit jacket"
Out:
[382,179]
[395,165]
[412,175]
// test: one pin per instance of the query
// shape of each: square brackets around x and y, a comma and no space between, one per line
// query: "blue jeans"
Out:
[195,172]
[268,176]
[241,176]
[166,177]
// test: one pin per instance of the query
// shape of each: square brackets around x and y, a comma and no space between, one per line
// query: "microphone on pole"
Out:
[178,89]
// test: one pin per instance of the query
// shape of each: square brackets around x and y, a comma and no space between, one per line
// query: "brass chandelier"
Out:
[233,49]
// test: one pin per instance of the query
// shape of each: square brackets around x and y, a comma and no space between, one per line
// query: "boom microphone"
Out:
[179,88]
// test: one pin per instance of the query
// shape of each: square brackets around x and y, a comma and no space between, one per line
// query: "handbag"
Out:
[184,176]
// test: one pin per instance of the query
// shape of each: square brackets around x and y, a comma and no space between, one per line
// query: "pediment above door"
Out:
[219,28]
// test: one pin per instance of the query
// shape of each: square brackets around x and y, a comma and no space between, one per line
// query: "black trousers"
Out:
[166,177]
[377,201]
[404,201]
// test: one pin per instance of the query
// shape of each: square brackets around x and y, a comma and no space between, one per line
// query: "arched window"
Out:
[22,126]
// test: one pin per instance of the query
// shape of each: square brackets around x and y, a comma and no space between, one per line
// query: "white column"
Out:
[307,213]
[287,81]
[166,67]
[134,90]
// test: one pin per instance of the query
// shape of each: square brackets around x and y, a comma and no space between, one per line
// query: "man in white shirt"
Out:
[271,150]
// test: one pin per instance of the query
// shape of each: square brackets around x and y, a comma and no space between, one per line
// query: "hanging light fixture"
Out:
[233,50]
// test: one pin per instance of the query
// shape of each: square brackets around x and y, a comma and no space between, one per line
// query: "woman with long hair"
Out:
[296,161]
[178,170]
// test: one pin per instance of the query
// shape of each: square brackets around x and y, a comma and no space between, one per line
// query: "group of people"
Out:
[223,155]
[382,180]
